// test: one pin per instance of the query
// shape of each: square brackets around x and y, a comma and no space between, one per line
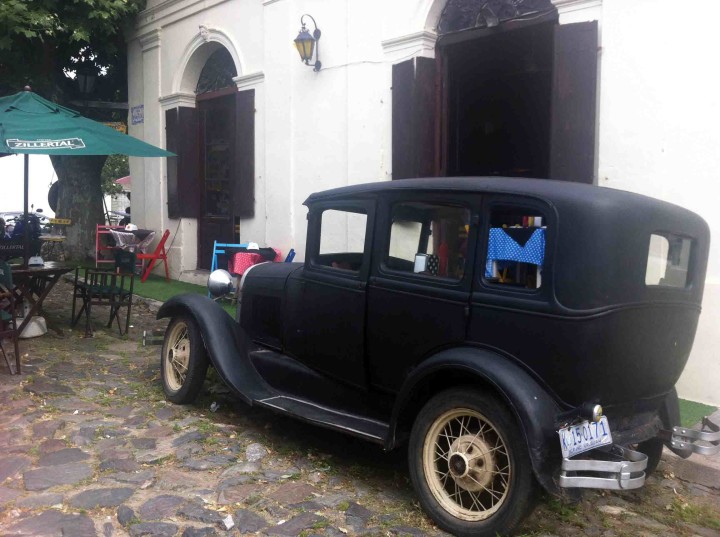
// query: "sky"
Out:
[42,175]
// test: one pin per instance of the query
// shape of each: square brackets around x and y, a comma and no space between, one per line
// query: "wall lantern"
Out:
[306,44]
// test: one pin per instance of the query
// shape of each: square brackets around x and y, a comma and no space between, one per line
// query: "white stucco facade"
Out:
[658,108]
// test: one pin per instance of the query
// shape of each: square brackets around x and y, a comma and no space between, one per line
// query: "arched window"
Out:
[218,72]
[468,14]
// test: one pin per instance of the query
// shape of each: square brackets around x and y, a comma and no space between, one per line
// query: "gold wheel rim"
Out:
[466,464]
[177,356]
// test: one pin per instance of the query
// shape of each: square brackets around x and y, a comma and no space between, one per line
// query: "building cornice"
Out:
[174,10]
[177,99]
[418,42]
[249,81]
[150,40]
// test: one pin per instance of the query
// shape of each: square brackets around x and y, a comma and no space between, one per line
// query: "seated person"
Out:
[126,219]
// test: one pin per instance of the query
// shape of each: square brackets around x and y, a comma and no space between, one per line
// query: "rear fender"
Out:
[532,405]
[224,341]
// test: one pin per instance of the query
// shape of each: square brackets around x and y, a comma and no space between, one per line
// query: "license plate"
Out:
[584,436]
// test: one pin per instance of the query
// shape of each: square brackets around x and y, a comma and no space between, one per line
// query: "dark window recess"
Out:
[499,96]
[218,137]
[181,131]
[218,73]
[516,247]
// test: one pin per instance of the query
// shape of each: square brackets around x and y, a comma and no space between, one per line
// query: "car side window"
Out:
[515,247]
[428,239]
[342,239]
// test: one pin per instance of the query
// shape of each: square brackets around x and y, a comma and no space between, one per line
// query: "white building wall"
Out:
[657,110]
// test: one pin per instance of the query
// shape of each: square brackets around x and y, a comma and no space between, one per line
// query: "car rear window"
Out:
[668,260]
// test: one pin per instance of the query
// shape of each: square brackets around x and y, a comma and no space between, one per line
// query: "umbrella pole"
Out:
[26,227]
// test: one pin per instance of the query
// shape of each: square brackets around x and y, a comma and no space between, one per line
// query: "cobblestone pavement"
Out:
[90,447]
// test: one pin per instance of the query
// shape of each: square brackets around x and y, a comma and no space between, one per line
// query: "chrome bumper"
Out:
[613,468]
[706,441]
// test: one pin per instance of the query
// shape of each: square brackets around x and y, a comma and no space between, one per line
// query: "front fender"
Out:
[532,405]
[224,340]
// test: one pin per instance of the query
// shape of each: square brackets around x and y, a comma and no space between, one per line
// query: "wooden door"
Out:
[574,98]
[217,174]
[414,113]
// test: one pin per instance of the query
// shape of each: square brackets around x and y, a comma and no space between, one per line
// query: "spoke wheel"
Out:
[469,464]
[466,464]
[184,361]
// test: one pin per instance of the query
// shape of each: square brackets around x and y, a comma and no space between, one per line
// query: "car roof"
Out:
[601,247]
[547,189]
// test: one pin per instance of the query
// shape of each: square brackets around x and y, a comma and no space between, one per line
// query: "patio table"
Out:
[34,283]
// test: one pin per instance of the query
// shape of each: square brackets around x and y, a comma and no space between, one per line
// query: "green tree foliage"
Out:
[116,166]
[43,44]
[43,40]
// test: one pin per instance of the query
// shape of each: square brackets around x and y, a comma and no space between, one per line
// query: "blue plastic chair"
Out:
[219,249]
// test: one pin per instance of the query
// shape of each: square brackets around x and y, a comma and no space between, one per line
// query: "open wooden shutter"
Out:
[183,190]
[244,194]
[574,102]
[413,118]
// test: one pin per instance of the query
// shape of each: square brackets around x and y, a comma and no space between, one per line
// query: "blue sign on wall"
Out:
[138,114]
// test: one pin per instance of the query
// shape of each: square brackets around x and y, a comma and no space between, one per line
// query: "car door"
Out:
[418,295]
[334,289]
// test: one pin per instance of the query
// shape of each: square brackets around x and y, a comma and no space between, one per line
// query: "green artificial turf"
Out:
[158,288]
[692,412]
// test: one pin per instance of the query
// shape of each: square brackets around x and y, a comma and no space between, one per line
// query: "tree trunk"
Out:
[80,199]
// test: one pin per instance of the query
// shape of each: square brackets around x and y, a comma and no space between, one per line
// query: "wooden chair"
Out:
[103,287]
[8,321]
[158,255]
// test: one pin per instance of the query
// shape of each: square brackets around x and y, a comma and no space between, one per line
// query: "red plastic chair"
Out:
[158,255]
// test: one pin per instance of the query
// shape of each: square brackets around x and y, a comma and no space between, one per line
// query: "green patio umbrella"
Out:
[32,125]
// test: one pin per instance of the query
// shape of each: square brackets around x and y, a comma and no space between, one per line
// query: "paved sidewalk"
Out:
[90,447]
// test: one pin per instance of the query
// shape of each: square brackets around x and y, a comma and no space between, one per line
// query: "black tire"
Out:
[653,448]
[184,361]
[455,491]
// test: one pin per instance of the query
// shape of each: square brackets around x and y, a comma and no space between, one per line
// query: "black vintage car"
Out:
[514,333]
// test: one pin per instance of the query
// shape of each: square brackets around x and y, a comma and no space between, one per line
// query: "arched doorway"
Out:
[213,180]
[510,92]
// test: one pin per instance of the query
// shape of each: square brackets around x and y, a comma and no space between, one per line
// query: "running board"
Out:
[616,468]
[366,428]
